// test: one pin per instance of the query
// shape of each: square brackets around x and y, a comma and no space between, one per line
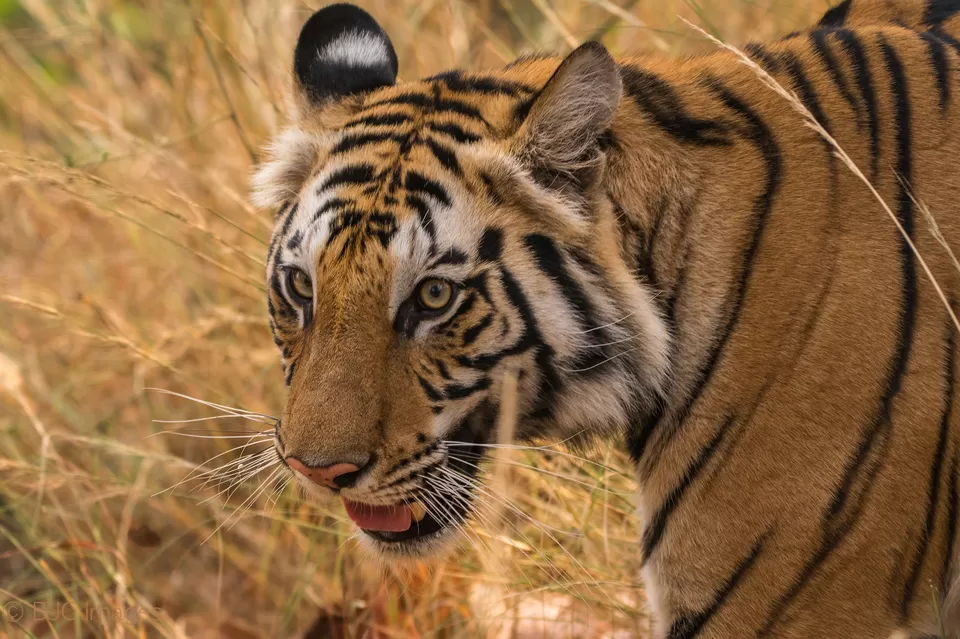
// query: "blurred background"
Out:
[130,259]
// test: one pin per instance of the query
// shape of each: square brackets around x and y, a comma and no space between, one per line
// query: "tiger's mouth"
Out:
[412,521]
[438,508]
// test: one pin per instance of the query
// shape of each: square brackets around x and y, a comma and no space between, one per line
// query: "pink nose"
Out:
[334,476]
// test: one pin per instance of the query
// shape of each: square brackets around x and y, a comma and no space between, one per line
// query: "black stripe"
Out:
[282,306]
[328,206]
[689,626]
[356,174]
[446,157]
[385,119]
[908,301]
[936,468]
[456,106]
[295,239]
[858,61]
[460,391]
[382,226]
[946,571]
[947,38]
[419,183]
[454,131]
[653,532]
[353,141]
[442,368]
[641,429]
[759,52]
[759,134]
[491,245]
[432,393]
[551,263]
[465,307]
[522,109]
[939,11]
[343,222]
[457,80]
[423,214]
[411,99]
[282,231]
[450,256]
[836,16]
[658,100]
[472,333]
[431,102]
[288,377]
[550,383]
[819,40]
[807,95]
[941,66]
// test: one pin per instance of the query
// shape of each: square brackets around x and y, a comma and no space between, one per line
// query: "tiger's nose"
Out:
[335,476]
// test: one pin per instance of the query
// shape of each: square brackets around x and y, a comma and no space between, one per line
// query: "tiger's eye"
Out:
[435,294]
[300,284]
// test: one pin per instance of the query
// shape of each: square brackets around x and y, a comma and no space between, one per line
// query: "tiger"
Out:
[656,254]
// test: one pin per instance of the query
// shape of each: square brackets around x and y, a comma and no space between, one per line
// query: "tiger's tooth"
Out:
[418,511]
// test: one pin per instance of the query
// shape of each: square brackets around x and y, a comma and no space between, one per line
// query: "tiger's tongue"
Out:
[380,518]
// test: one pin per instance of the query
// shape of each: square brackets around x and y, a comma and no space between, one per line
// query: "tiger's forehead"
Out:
[396,159]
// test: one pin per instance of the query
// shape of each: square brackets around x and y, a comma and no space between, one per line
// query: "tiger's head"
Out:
[433,236]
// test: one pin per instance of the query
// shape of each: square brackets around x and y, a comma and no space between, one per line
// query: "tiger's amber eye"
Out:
[435,294]
[300,284]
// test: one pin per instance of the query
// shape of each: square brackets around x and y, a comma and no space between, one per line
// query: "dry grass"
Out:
[130,258]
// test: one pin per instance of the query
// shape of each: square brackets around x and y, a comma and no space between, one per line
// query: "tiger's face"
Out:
[433,238]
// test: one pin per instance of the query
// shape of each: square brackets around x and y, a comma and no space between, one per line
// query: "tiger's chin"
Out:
[429,540]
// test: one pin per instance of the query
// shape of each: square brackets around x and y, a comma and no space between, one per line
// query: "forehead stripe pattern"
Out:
[385,130]
[350,142]
[435,103]
[446,157]
[456,80]
[383,119]
[355,174]
[454,131]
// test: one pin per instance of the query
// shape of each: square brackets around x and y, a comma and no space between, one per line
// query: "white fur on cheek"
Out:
[356,49]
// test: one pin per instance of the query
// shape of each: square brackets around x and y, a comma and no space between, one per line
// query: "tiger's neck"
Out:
[681,216]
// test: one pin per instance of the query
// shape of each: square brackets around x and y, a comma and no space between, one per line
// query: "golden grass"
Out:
[130,258]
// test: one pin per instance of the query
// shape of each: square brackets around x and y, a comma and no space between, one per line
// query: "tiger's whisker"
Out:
[598,364]
[227,409]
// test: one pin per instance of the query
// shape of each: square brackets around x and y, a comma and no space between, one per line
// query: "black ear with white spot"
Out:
[342,51]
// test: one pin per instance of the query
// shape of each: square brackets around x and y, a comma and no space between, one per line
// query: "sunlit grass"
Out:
[130,258]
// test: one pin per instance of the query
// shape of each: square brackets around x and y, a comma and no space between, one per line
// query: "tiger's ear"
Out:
[341,51]
[561,135]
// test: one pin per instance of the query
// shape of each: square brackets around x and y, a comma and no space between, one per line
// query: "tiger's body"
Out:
[666,253]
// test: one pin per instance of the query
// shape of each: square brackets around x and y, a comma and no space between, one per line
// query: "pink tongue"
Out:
[380,518]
